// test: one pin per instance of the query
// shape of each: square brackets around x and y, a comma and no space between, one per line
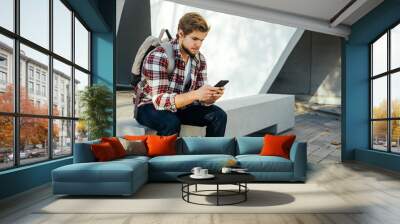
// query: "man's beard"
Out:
[187,51]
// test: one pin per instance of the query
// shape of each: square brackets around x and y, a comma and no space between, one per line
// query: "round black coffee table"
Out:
[238,179]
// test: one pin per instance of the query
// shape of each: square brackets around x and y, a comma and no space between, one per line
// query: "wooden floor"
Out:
[322,133]
[377,189]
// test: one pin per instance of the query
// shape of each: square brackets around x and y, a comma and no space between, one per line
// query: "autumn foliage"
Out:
[380,127]
[33,130]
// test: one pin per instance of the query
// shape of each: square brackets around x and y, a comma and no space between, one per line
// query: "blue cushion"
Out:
[185,163]
[249,145]
[132,162]
[119,177]
[133,157]
[83,153]
[257,163]
[111,171]
[206,145]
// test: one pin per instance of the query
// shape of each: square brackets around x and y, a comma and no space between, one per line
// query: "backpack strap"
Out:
[171,57]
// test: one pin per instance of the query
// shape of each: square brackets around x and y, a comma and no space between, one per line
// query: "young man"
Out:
[168,100]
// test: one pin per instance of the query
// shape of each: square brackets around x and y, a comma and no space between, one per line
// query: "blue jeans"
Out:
[169,123]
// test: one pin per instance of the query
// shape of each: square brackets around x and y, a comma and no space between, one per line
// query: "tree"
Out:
[81,130]
[6,122]
[380,127]
[396,123]
[33,130]
[6,132]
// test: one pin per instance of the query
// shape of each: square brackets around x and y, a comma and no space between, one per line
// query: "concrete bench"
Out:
[246,115]
[249,114]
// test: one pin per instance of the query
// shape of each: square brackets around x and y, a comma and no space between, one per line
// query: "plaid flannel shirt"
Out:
[159,87]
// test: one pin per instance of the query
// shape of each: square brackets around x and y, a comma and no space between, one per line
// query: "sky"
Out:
[35,27]
[239,49]
[379,59]
[395,45]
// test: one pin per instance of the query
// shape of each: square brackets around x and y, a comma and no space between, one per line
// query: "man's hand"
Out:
[215,96]
[207,93]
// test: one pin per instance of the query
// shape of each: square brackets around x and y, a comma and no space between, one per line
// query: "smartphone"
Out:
[221,83]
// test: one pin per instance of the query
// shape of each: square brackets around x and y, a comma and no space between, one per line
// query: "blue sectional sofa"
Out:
[125,176]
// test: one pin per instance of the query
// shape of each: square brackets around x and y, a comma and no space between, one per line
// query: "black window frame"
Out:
[388,74]
[16,114]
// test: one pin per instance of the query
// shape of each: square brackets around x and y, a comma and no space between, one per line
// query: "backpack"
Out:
[148,45]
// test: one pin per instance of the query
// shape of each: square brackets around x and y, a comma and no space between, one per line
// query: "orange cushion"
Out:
[135,137]
[116,145]
[161,145]
[103,151]
[275,145]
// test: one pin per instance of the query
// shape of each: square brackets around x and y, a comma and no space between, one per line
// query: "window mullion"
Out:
[50,81]
[73,82]
[16,69]
[389,76]
[371,137]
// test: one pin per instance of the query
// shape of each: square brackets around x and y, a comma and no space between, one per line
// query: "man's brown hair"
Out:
[193,21]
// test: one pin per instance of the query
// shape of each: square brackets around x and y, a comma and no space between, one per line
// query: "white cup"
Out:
[196,171]
[203,172]
[226,170]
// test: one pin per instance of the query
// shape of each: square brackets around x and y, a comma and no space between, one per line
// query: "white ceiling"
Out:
[319,9]
[315,15]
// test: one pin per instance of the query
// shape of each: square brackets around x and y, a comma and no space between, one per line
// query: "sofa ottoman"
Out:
[119,177]
[87,177]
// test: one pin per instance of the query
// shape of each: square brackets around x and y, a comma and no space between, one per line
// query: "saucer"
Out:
[208,176]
